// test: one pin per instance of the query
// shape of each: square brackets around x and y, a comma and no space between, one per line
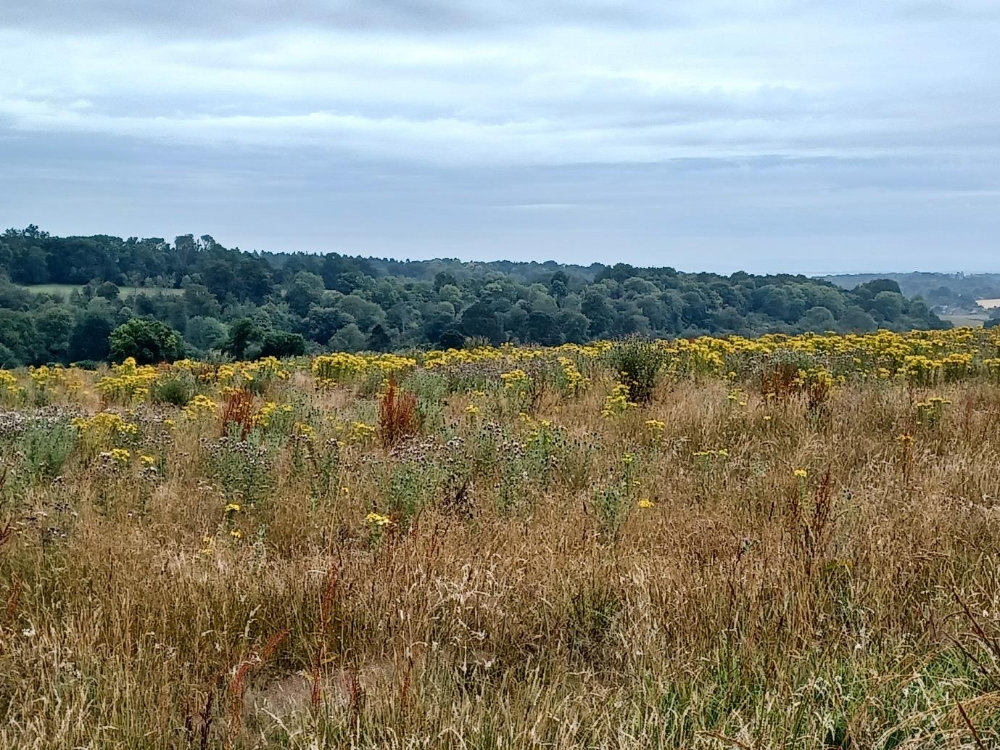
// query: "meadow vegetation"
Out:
[785,542]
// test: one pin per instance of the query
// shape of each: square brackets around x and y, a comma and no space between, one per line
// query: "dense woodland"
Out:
[224,302]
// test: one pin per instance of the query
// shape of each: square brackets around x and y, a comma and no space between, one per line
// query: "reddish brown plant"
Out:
[238,411]
[397,416]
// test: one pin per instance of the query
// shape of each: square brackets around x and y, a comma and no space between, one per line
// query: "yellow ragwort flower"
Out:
[377,519]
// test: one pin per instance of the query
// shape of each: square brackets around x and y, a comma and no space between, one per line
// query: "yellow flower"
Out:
[200,407]
[514,378]
[120,455]
[361,432]
[377,519]
[617,402]
[646,503]
[147,460]
[233,508]
[801,473]
[472,409]
[236,534]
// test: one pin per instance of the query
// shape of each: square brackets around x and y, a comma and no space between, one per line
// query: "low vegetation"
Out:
[785,542]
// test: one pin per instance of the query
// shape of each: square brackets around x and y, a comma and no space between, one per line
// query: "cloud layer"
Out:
[812,136]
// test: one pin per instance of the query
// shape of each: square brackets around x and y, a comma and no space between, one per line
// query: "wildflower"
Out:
[655,426]
[236,534]
[801,473]
[472,409]
[362,431]
[147,460]
[646,503]
[200,407]
[264,414]
[514,379]
[617,401]
[233,508]
[209,542]
[377,519]
[103,428]
[905,439]
[767,417]
[120,455]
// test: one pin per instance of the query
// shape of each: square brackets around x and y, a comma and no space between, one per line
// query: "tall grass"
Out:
[496,582]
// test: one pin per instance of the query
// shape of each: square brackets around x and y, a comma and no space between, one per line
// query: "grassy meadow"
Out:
[64,290]
[719,544]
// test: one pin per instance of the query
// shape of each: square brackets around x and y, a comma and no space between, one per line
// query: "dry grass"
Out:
[856,607]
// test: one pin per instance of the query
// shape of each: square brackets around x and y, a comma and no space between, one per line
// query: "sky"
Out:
[808,136]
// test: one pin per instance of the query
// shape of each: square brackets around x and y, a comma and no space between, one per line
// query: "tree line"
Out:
[196,297]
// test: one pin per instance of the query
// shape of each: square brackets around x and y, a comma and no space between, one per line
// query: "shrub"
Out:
[176,388]
[46,447]
[637,362]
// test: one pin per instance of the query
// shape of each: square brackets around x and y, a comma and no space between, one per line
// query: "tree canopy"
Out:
[148,342]
[222,301]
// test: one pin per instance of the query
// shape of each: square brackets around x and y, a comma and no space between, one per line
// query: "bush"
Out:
[177,388]
[637,362]
[47,447]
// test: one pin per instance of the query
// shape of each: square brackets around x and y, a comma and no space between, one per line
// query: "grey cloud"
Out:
[765,134]
[197,17]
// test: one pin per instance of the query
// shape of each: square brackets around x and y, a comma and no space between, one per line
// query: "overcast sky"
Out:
[767,135]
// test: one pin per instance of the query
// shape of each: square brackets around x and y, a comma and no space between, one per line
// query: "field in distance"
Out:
[785,542]
[972,319]
[63,290]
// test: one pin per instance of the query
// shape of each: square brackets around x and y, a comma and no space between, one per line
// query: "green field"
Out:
[969,320]
[63,290]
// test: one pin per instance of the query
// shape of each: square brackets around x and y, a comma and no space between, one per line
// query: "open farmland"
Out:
[63,291]
[717,543]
